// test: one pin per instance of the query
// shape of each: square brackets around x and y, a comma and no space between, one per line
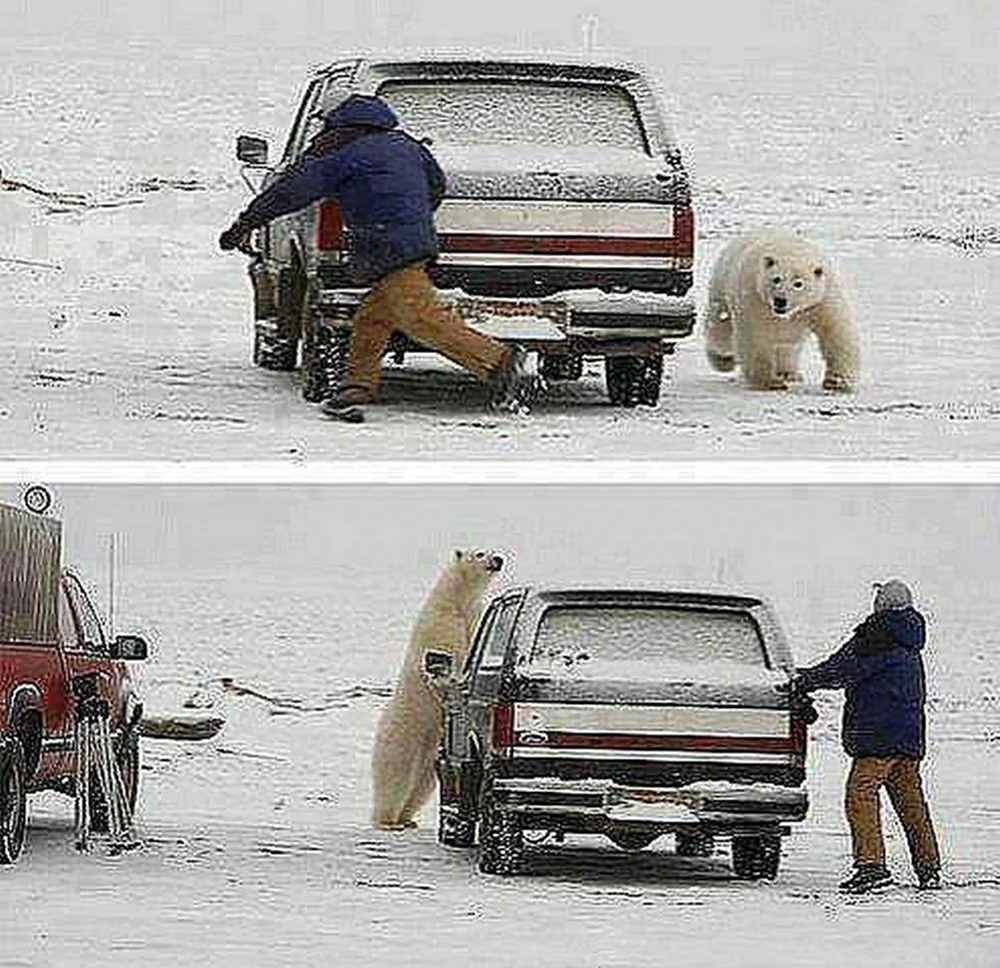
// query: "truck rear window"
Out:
[564,115]
[632,637]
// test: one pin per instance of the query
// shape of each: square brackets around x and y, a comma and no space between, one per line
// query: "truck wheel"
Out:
[276,340]
[324,361]
[756,857]
[633,380]
[694,845]
[632,839]
[129,767]
[456,829]
[562,367]
[272,351]
[13,801]
[501,840]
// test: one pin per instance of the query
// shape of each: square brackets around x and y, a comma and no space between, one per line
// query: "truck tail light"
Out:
[329,227]
[684,231]
[803,714]
[503,726]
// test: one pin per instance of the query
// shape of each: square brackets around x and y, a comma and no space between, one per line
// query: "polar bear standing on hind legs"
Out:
[409,731]
[769,290]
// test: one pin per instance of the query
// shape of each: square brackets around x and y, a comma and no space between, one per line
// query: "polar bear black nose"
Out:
[496,563]
[780,304]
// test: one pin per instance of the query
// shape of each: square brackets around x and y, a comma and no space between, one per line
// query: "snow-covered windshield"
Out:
[650,640]
[505,112]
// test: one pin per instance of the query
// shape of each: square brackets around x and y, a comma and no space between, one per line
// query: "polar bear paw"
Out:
[838,383]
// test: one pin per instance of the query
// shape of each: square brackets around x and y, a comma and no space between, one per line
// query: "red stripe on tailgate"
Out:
[560,245]
[634,741]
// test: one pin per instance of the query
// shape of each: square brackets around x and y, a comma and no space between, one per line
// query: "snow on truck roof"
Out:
[643,596]
[537,63]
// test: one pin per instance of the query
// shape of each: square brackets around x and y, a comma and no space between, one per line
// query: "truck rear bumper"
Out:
[571,321]
[716,804]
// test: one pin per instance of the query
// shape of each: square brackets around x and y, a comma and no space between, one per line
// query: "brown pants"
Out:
[901,778]
[407,301]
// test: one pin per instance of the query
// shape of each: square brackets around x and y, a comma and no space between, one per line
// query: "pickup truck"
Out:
[567,223]
[630,714]
[50,634]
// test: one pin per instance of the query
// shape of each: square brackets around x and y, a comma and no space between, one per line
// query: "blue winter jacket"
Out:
[386,183]
[882,674]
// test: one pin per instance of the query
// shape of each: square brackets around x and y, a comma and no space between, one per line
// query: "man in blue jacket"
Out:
[882,674]
[388,186]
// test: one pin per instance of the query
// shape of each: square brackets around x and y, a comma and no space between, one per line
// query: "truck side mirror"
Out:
[438,665]
[132,647]
[252,150]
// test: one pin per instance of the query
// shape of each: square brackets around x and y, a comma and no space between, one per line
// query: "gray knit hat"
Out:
[892,594]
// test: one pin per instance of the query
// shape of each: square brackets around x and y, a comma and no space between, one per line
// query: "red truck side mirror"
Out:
[130,647]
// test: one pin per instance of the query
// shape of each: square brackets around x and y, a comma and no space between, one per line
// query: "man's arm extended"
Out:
[311,179]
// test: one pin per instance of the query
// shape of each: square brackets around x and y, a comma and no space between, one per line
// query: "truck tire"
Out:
[129,767]
[561,366]
[633,380]
[13,801]
[694,845]
[324,361]
[276,340]
[456,829]
[272,351]
[756,857]
[501,840]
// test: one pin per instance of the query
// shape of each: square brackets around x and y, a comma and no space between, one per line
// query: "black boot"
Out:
[347,403]
[517,383]
[867,878]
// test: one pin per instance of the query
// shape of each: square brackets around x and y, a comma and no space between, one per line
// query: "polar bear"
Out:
[409,730]
[769,290]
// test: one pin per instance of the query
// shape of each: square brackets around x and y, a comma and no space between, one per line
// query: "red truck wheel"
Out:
[13,801]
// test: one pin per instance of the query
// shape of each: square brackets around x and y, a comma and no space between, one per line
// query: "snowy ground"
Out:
[256,845]
[131,338]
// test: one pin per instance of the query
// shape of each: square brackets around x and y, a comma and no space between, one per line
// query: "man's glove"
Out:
[793,687]
[237,236]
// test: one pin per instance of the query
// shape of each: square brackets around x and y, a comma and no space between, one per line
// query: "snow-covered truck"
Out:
[630,714]
[50,634]
[567,224]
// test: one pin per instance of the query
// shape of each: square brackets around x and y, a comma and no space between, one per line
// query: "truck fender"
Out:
[26,721]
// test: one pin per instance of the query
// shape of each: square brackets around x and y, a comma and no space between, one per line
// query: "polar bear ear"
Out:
[769,262]
[818,272]
[458,554]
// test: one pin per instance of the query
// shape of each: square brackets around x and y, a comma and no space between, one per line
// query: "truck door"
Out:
[486,677]
[91,652]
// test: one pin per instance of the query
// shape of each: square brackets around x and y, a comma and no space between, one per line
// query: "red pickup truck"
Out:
[50,633]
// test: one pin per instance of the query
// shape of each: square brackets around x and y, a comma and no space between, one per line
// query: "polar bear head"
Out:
[476,566]
[790,279]
[467,576]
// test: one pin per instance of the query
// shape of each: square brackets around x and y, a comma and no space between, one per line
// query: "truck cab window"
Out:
[90,625]
[68,635]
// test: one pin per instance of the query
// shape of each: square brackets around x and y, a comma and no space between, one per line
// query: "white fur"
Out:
[409,730]
[742,326]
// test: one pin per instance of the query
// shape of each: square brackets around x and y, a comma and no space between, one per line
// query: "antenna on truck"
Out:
[112,556]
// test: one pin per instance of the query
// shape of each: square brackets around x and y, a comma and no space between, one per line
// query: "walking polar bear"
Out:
[768,291]
[409,730]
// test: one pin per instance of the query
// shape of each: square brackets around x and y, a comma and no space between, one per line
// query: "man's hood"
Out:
[906,626]
[362,110]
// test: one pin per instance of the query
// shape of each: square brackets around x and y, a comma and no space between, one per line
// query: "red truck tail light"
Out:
[503,726]
[803,714]
[329,227]
[684,231]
